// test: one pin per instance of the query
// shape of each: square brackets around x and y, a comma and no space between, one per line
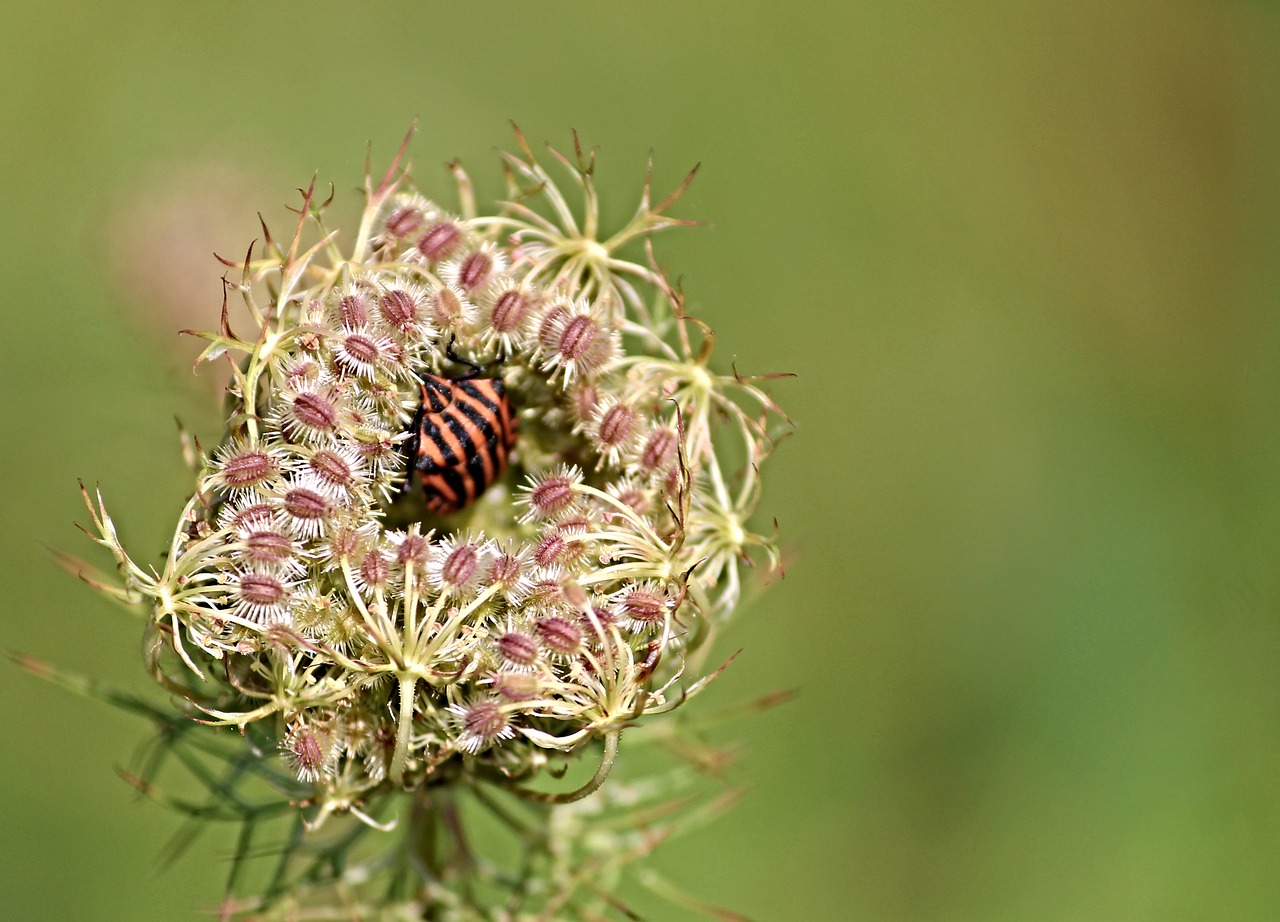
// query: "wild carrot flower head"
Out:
[602,479]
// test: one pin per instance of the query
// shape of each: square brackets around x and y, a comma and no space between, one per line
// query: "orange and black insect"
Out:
[460,438]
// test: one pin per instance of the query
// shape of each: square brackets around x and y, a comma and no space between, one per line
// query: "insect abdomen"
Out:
[465,431]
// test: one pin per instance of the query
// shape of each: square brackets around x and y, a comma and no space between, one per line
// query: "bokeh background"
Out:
[1023,256]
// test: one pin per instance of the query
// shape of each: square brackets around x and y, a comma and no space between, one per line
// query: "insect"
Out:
[460,437]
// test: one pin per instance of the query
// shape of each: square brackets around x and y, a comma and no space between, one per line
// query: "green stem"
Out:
[597,780]
[404,726]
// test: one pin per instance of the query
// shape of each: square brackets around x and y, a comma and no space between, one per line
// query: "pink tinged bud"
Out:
[552,495]
[261,597]
[516,686]
[574,549]
[579,524]
[403,221]
[636,498]
[544,594]
[485,719]
[353,311]
[308,509]
[302,503]
[447,308]
[577,337]
[254,515]
[559,636]
[306,749]
[549,331]
[616,425]
[645,606]
[261,589]
[518,648]
[399,310]
[360,353]
[475,270]
[659,450]
[575,340]
[248,468]
[551,549]
[605,614]
[615,430]
[506,570]
[395,353]
[310,752]
[439,241]
[374,570]
[310,414]
[269,548]
[483,722]
[509,311]
[360,349]
[315,411]
[302,371]
[345,541]
[380,453]
[460,565]
[585,401]
[333,469]
[413,551]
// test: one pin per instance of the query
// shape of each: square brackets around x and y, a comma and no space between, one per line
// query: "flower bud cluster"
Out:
[308,588]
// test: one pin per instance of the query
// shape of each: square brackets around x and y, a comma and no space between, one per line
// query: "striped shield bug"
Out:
[460,437]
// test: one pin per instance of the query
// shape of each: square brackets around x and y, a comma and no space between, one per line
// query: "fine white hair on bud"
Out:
[560,637]
[451,310]
[472,271]
[642,606]
[266,548]
[261,596]
[483,498]
[550,494]
[407,217]
[509,570]
[311,749]
[238,467]
[250,511]
[351,309]
[307,505]
[507,309]
[402,310]
[481,723]
[337,470]
[458,564]
[657,452]
[362,352]
[576,340]
[309,412]
[614,429]
[517,649]
[440,240]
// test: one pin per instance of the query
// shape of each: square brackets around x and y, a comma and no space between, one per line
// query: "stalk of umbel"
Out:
[344,660]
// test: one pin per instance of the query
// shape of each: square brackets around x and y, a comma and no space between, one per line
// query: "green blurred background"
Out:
[1024,258]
